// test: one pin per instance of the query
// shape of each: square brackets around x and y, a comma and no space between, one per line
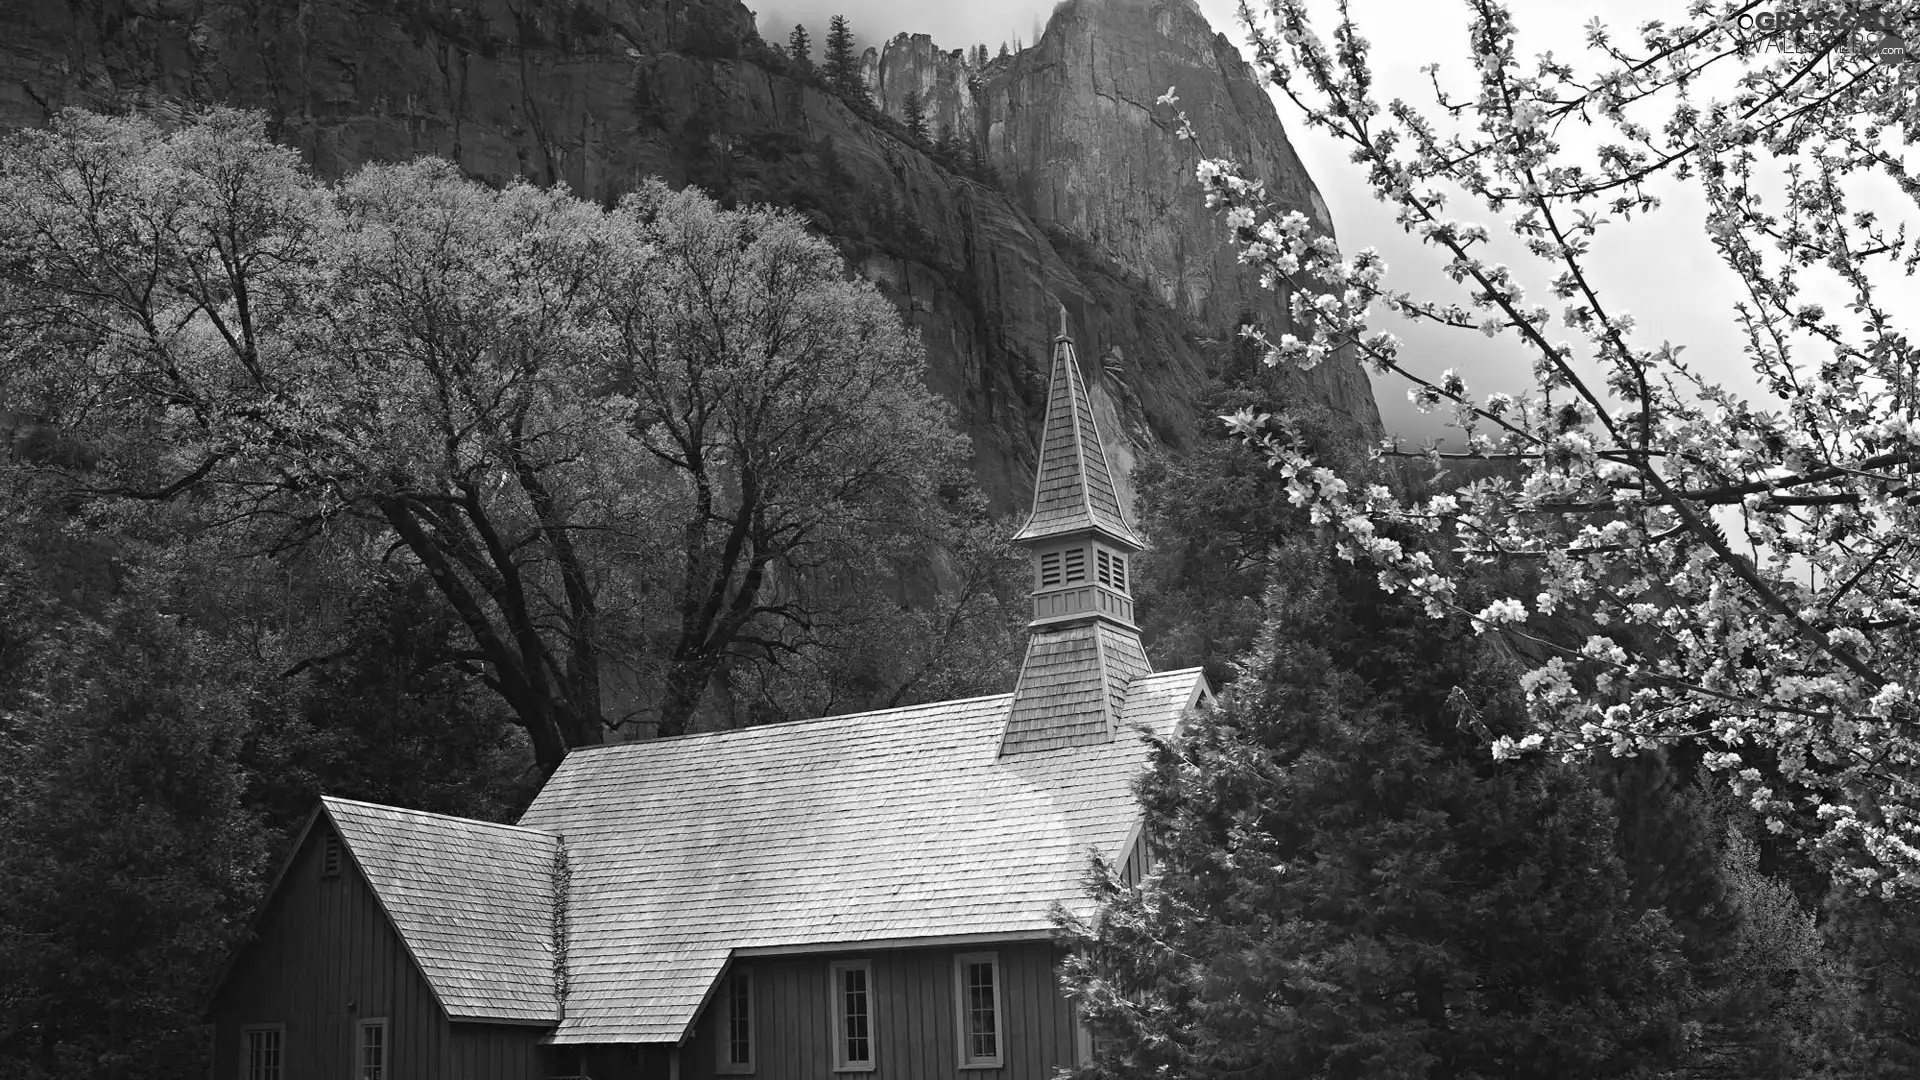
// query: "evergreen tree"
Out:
[800,46]
[1216,510]
[843,65]
[1350,887]
[946,149]
[915,114]
[128,849]
[1004,53]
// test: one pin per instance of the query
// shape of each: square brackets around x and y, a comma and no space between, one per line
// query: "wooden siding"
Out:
[915,1017]
[326,957]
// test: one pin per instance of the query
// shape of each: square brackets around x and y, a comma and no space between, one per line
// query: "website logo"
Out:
[1872,33]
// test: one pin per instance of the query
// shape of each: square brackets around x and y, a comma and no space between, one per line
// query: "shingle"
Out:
[878,826]
[1073,486]
[473,901]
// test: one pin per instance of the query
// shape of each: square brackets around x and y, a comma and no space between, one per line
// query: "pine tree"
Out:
[915,114]
[946,149]
[1004,52]
[843,65]
[800,45]
[1350,886]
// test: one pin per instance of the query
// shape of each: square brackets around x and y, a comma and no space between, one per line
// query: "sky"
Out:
[951,24]
[1662,270]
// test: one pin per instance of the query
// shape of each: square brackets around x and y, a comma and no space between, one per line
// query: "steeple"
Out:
[1073,491]
[1083,648]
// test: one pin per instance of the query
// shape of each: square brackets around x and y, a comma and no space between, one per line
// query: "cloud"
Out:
[951,25]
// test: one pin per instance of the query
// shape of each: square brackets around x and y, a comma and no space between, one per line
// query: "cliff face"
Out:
[1073,126]
[1100,215]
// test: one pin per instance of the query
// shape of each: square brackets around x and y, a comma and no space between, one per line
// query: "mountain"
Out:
[1094,208]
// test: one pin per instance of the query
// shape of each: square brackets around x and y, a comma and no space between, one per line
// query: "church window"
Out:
[370,1058]
[853,1016]
[261,1052]
[979,993]
[736,1042]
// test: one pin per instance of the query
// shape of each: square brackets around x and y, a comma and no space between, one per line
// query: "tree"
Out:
[129,848]
[914,112]
[843,65]
[946,148]
[626,446]
[1789,654]
[1348,886]
[1004,51]
[800,46]
[1218,516]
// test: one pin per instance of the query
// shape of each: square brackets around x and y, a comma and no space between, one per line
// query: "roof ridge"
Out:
[337,799]
[782,725]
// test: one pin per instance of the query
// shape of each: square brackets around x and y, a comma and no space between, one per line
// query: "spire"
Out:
[1084,649]
[1074,489]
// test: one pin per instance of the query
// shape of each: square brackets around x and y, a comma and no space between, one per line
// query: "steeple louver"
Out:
[1084,649]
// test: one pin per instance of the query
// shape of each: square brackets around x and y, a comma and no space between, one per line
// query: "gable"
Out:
[471,900]
[321,956]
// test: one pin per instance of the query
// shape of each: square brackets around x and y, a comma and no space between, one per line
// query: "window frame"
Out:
[247,1032]
[837,975]
[360,1029]
[968,1060]
[723,1031]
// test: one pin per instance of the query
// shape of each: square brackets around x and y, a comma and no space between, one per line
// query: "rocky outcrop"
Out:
[945,82]
[1099,214]
[1073,126]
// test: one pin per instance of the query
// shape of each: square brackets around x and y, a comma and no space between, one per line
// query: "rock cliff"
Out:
[1098,211]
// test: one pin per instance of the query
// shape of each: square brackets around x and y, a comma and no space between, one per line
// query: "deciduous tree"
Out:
[625,445]
[1749,561]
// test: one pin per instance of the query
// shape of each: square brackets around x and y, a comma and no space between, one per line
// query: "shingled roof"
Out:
[472,901]
[1074,489]
[1073,686]
[854,830]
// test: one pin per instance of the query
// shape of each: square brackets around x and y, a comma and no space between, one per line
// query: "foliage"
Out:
[1788,653]
[1349,887]
[127,843]
[628,447]
[800,46]
[1219,519]
[915,115]
[1881,941]
[842,68]
[160,740]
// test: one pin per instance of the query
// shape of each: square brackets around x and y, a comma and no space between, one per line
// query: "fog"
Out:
[951,25]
